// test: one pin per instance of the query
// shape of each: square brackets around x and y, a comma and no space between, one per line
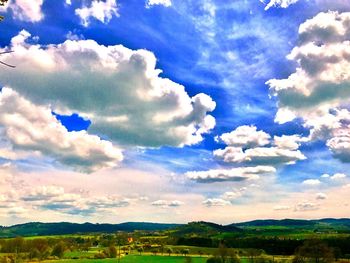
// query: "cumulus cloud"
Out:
[255,151]
[150,3]
[306,206]
[215,202]
[34,128]
[311,182]
[240,174]
[100,10]
[259,156]
[243,148]
[118,89]
[108,202]
[25,10]
[279,3]
[318,91]
[43,193]
[338,176]
[55,198]
[245,136]
[165,203]
[233,195]
[340,144]
[321,196]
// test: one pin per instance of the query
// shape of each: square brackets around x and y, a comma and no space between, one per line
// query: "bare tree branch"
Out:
[3,63]
[6,52]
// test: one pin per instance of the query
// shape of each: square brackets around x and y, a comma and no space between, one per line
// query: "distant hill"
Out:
[193,229]
[273,222]
[63,228]
[295,222]
[203,229]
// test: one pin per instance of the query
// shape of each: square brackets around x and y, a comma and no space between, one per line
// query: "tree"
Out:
[112,252]
[169,251]
[252,253]
[337,253]
[314,250]
[58,250]
[34,253]
[140,250]
[223,252]
[155,251]
[185,251]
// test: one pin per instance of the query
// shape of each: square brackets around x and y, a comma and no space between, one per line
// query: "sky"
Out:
[174,110]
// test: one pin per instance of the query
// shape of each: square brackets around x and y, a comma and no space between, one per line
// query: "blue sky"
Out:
[153,110]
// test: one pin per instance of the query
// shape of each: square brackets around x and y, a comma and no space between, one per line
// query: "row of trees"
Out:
[271,245]
[312,251]
[39,248]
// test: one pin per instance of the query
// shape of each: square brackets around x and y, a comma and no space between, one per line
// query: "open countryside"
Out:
[261,241]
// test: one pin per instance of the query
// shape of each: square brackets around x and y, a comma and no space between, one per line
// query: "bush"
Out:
[112,252]
[214,260]
[100,256]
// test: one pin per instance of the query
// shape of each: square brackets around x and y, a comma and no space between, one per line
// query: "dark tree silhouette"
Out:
[2,3]
[315,251]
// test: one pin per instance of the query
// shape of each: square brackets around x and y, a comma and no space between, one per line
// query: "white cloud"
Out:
[215,202]
[34,128]
[259,156]
[321,196]
[245,136]
[244,147]
[279,3]
[233,195]
[107,202]
[312,182]
[25,10]
[338,176]
[306,206]
[165,204]
[100,10]
[43,193]
[166,3]
[56,198]
[118,89]
[281,208]
[17,211]
[325,176]
[289,142]
[318,91]
[240,174]
[340,144]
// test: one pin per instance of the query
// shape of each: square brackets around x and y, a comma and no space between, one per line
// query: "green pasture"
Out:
[134,259]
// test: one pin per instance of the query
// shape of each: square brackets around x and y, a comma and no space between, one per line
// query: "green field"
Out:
[135,259]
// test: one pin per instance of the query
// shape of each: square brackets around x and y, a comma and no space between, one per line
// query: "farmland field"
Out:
[135,259]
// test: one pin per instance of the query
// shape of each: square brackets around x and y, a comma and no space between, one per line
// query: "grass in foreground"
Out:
[135,259]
